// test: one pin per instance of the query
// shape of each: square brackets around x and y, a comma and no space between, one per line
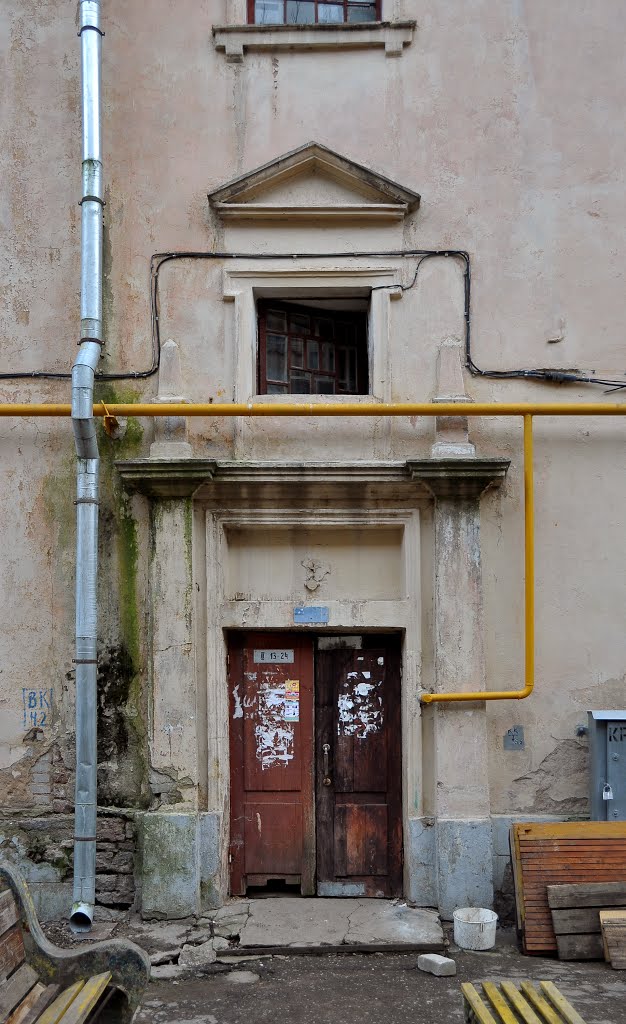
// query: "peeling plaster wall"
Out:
[505,122]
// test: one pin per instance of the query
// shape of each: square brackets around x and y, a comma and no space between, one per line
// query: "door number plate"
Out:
[272,656]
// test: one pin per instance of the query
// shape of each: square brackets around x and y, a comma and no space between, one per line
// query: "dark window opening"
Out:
[312,350]
[312,12]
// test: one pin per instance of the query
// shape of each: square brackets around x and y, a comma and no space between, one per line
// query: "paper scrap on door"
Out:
[292,700]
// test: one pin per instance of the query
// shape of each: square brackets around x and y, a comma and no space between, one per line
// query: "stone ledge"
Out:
[235,40]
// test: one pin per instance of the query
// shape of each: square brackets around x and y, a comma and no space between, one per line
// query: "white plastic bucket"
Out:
[475,928]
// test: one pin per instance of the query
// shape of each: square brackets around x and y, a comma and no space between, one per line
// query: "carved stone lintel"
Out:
[459,478]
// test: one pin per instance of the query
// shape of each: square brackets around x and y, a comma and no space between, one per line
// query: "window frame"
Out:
[357,318]
[251,20]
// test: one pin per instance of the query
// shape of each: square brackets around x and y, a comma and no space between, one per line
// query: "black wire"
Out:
[159,259]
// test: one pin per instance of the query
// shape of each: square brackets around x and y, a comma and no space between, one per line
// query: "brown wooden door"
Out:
[271,746]
[359,816]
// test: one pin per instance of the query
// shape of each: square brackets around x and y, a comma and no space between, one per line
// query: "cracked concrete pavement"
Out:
[359,988]
[299,922]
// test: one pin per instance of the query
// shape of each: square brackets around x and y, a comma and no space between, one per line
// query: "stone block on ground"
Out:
[433,963]
[197,956]
[164,956]
[166,972]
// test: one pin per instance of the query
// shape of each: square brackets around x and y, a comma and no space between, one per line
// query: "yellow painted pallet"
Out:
[508,1004]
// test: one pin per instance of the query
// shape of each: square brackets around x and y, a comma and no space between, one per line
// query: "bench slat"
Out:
[22,1011]
[49,993]
[9,913]
[14,990]
[56,1010]
[86,999]
[11,951]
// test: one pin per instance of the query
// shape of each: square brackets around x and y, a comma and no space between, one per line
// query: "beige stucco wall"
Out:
[506,119]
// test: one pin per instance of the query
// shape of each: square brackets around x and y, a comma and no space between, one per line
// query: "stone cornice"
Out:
[182,478]
[458,478]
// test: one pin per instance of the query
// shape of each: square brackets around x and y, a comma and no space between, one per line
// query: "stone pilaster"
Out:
[462,865]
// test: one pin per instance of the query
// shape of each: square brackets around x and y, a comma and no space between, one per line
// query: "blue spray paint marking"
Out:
[37,705]
[310,615]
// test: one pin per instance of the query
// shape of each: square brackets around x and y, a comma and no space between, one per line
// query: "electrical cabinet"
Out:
[607,750]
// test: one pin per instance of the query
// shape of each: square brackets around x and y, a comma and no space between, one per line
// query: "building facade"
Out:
[366,204]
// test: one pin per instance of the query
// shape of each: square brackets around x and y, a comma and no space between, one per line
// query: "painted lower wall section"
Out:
[171,865]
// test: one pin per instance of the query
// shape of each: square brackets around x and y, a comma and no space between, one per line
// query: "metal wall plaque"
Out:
[309,615]
[273,656]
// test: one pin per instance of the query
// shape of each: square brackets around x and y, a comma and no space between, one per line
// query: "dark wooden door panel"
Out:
[361,839]
[273,838]
[271,734]
[359,825]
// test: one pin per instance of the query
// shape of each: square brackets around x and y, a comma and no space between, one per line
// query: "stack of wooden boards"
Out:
[561,854]
[576,916]
[613,924]
[42,984]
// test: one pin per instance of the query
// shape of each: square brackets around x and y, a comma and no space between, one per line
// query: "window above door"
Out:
[313,350]
[312,12]
[309,25]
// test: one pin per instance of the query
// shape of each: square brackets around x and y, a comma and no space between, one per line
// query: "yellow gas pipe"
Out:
[525,409]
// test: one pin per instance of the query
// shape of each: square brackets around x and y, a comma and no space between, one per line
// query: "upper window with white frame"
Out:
[312,12]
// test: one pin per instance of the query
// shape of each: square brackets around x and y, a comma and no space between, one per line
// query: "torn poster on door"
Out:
[360,706]
[292,700]
[274,731]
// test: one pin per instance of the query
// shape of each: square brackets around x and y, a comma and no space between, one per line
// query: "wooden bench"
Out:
[40,982]
[510,1005]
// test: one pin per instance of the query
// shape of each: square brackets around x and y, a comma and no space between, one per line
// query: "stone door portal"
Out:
[315,766]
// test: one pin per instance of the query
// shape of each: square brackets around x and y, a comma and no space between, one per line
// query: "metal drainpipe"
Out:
[83,373]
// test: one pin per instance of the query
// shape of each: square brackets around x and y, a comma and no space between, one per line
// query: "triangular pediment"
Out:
[313,182]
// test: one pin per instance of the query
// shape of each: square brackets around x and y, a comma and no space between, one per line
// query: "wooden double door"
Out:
[315,764]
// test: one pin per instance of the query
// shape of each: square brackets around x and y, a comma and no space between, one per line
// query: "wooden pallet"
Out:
[560,853]
[575,913]
[613,925]
[510,1005]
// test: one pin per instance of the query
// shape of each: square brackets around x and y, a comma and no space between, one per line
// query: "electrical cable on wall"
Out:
[159,259]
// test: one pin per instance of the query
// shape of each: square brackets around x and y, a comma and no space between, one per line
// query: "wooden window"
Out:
[310,351]
[312,12]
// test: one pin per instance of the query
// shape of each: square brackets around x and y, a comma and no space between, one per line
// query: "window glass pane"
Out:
[276,320]
[297,353]
[347,369]
[330,13]
[361,12]
[328,357]
[276,357]
[323,328]
[300,12]
[299,323]
[268,12]
[351,369]
[313,355]
[300,383]
[323,386]
[276,389]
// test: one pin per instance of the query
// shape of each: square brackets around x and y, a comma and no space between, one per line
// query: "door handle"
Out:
[327,781]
